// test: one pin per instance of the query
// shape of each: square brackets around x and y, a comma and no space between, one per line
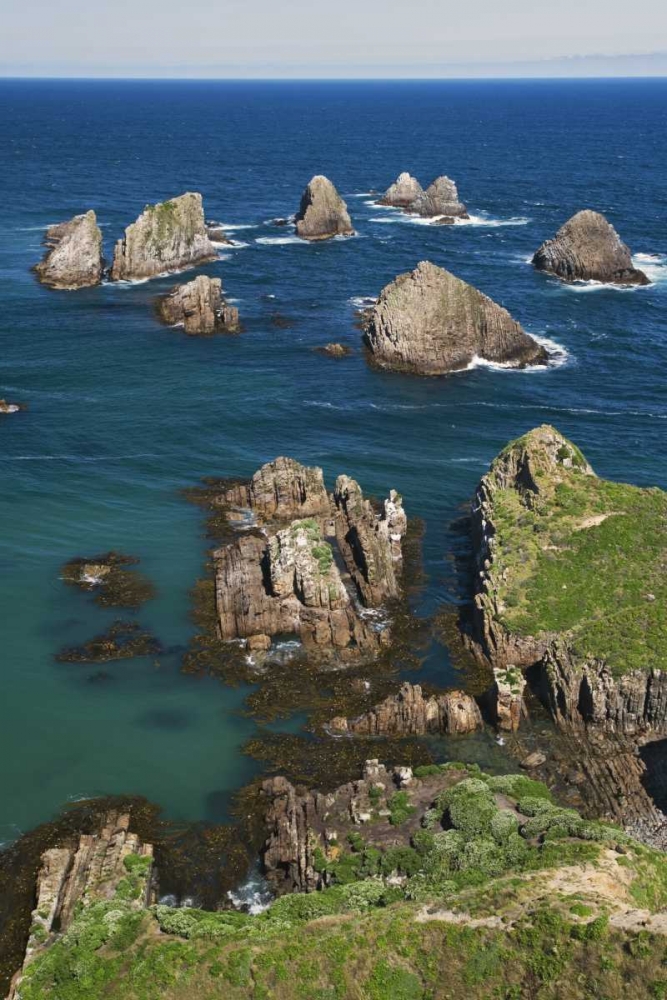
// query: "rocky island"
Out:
[439,201]
[430,322]
[322,212]
[588,248]
[411,713]
[74,258]
[199,307]
[571,585]
[169,236]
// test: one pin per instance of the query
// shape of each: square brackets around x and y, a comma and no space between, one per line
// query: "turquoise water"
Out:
[123,413]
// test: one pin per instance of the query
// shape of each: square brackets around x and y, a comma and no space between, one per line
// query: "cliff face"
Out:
[317,561]
[74,259]
[168,236]
[588,248]
[410,713]
[322,213]
[200,307]
[571,582]
[430,322]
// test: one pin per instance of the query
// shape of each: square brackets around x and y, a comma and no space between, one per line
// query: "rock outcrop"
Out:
[80,874]
[545,537]
[335,350]
[410,713]
[403,193]
[322,213]
[430,322]
[169,236]
[217,234]
[508,704]
[316,563]
[441,199]
[199,307]
[6,407]
[588,248]
[111,577]
[74,257]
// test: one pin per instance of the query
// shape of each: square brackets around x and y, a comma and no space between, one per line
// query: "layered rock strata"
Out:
[410,713]
[168,236]
[508,686]
[316,564]
[588,248]
[322,212]
[430,322]
[199,307]
[74,258]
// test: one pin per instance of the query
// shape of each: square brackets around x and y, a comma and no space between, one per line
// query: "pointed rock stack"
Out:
[74,259]
[440,201]
[200,307]
[322,213]
[588,248]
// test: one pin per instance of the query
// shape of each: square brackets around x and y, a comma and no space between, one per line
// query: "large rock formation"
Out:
[317,560]
[166,237]
[410,713]
[571,583]
[322,213]
[588,248]
[74,258]
[430,322]
[80,874]
[403,192]
[441,199]
[200,307]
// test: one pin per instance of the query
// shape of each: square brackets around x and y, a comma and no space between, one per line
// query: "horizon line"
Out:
[330,79]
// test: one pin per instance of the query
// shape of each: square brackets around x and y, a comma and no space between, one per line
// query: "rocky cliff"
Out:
[588,248]
[430,322]
[322,212]
[74,257]
[200,307]
[316,564]
[571,583]
[411,713]
[166,237]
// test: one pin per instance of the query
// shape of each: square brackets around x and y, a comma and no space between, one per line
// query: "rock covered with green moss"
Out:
[168,236]
[430,322]
[571,577]
[74,257]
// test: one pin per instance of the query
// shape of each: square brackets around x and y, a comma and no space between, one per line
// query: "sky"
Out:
[343,38]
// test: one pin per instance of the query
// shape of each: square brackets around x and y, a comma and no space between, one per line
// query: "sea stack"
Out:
[441,199]
[168,236]
[430,322]
[200,307]
[74,258]
[322,213]
[405,190]
[588,248]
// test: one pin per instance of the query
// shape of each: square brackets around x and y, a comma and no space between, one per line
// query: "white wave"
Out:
[558,356]
[76,458]
[280,240]
[596,286]
[487,220]
[253,897]
[362,301]
[482,220]
[233,226]
[654,266]
[12,408]
[361,194]
[362,404]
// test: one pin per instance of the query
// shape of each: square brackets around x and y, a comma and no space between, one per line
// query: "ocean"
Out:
[123,414]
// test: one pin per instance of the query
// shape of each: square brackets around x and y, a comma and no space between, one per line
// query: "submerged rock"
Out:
[403,192]
[588,248]
[410,713]
[121,641]
[335,350]
[109,577]
[166,237]
[441,198]
[216,233]
[74,258]
[322,213]
[430,322]
[200,307]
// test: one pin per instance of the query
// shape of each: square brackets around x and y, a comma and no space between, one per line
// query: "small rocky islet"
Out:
[440,201]
[588,248]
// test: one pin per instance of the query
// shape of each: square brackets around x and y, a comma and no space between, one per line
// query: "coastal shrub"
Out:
[185,922]
[404,860]
[423,841]
[400,808]
[427,770]
[503,824]
[392,981]
[594,930]
[518,786]
[472,813]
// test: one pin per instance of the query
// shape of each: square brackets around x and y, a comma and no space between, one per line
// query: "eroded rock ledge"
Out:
[588,248]
[410,713]
[311,564]
[322,212]
[430,322]
[74,257]
[166,237]
[199,307]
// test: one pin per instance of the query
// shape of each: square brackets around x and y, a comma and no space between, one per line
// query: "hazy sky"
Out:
[318,38]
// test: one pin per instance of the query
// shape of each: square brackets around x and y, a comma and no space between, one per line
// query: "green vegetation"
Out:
[585,557]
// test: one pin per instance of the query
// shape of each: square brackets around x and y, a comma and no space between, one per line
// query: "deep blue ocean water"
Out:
[124,413]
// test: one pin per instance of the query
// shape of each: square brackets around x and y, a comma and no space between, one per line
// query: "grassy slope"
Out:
[591,580]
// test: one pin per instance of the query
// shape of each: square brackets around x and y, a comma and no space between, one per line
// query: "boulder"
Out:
[322,213]
[166,237]
[441,198]
[588,248]
[410,713]
[200,307]
[430,322]
[216,233]
[74,257]
[403,192]
[335,350]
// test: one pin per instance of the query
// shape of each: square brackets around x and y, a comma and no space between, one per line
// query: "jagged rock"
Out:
[441,198]
[6,407]
[81,873]
[166,237]
[110,578]
[217,234]
[430,322]
[335,350]
[588,248]
[283,490]
[74,258]
[322,213]
[509,685]
[200,307]
[403,192]
[410,713]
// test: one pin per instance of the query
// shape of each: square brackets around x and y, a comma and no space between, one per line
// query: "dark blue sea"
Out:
[123,413]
